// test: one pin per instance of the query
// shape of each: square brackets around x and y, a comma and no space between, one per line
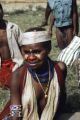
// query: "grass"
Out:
[30,19]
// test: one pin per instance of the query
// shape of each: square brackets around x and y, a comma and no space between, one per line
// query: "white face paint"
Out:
[34,54]
[31,54]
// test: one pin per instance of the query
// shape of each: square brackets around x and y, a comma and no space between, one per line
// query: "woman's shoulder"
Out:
[61,65]
[18,76]
[19,71]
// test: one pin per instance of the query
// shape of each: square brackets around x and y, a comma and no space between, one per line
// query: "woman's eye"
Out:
[26,52]
[32,52]
[36,51]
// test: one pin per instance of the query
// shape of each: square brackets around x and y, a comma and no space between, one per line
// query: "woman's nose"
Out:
[32,57]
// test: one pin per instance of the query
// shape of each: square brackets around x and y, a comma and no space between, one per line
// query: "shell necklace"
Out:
[47,87]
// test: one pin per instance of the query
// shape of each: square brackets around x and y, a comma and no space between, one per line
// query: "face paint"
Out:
[34,54]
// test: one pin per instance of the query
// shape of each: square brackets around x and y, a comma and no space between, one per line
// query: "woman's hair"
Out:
[46,44]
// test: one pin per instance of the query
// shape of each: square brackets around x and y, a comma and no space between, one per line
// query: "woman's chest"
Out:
[41,93]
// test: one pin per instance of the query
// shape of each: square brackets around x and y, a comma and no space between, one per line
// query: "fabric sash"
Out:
[29,100]
[14,36]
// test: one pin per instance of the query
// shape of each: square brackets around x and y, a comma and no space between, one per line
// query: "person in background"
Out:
[38,89]
[10,56]
[64,15]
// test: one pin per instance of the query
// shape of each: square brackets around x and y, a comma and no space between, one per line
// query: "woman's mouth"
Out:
[31,63]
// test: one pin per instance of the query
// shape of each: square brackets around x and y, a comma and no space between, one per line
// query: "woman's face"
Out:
[34,55]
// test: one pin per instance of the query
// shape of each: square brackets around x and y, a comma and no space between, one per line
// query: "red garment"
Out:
[5,77]
[5,73]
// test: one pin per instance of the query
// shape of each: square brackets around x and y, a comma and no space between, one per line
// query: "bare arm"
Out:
[15,96]
[75,17]
[62,98]
[47,14]
[63,69]
[52,18]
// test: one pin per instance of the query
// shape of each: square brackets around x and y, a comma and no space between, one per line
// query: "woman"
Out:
[38,86]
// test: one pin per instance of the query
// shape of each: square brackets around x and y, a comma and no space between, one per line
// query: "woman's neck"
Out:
[43,68]
[43,72]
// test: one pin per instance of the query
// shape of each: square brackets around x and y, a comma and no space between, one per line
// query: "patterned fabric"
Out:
[71,52]
[62,12]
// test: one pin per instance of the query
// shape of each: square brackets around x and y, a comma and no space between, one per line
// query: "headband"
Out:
[35,37]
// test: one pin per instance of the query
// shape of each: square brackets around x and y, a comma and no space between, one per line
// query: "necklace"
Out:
[47,87]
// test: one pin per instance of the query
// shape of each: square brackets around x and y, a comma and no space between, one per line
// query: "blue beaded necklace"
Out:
[43,75]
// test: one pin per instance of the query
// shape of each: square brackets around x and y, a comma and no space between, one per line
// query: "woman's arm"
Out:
[15,107]
[62,77]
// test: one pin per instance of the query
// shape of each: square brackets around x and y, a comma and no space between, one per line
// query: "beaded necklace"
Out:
[43,74]
[47,87]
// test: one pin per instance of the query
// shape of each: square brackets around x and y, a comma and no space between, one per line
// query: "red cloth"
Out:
[5,77]
[5,73]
